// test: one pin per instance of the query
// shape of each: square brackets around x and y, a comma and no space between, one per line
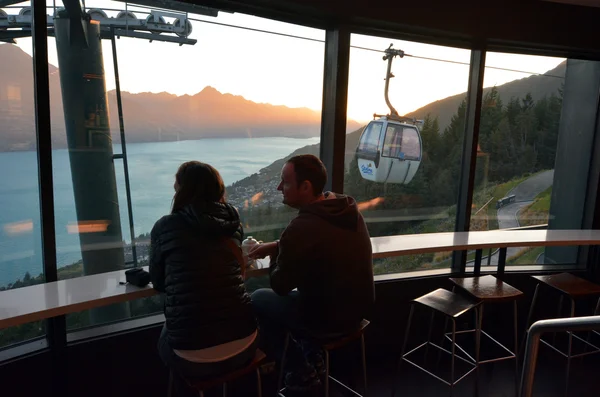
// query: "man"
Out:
[324,253]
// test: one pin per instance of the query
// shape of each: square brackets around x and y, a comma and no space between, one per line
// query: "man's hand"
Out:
[261,251]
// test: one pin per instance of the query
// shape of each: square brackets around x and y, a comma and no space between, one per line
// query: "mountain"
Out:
[537,85]
[148,117]
[152,117]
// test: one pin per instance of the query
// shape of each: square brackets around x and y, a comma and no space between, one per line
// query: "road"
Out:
[525,193]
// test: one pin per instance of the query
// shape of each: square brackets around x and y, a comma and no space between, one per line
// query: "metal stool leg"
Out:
[569,351]
[429,334]
[364,363]
[478,327]
[444,330]
[259,384]
[170,386]
[529,316]
[589,334]
[224,389]
[326,373]
[394,380]
[439,357]
[516,350]
[560,305]
[282,364]
[453,355]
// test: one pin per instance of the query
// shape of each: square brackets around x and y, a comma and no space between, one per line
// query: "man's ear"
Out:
[306,187]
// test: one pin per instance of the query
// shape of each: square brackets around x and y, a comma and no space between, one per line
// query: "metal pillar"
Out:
[335,96]
[469,154]
[85,105]
[576,170]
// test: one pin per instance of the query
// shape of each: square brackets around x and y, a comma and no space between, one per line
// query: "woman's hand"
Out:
[261,251]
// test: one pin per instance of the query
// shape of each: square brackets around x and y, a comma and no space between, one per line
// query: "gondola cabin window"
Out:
[402,142]
[370,139]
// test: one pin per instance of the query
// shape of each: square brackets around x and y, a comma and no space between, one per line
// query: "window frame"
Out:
[56,330]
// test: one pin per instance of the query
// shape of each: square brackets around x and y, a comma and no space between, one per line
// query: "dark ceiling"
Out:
[517,25]
[530,26]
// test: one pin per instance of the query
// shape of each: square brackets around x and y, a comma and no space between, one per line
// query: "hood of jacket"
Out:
[212,218]
[337,209]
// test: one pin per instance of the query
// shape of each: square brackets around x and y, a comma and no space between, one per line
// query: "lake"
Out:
[152,167]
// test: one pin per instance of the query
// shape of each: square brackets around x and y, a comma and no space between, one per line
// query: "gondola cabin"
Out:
[390,150]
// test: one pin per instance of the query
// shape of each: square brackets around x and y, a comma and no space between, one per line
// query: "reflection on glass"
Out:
[241,120]
[20,237]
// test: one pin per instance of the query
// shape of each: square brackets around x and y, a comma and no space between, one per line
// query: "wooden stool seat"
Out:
[231,376]
[570,285]
[344,340]
[205,384]
[488,288]
[452,306]
[446,302]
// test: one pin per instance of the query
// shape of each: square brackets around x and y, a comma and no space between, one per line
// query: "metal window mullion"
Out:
[124,148]
[469,153]
[335,103]
[55,327]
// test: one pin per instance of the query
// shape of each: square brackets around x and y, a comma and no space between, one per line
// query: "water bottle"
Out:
[247,244]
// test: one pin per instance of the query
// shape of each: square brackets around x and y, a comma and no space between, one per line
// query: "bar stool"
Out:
[489,289]
[572,287]
[202,385]
[328,346]
[452,306]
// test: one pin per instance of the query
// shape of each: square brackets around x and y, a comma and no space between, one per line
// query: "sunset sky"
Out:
[287,71]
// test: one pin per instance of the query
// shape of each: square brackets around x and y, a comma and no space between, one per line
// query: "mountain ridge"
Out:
[537,85]
[148,117]
[155,117]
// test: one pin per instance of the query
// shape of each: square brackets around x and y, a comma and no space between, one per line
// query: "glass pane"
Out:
[411,144]
[20,236]
[403,191]
[393,139]
[402,142]
[520,156]
[369,141]
[179,103]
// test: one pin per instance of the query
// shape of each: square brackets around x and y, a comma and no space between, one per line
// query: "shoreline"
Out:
[30,146]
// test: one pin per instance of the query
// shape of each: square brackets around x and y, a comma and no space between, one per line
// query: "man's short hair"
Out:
[310,168]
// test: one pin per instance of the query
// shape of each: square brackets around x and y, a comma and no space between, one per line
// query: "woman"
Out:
[210,327]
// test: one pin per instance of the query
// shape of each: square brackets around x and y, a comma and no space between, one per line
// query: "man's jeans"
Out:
[276,316]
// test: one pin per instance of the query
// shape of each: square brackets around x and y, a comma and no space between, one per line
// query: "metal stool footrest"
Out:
[483,333]
[281,392]
[567,355]
[425,344]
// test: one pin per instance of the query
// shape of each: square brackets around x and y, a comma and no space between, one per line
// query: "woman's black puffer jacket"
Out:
[206,303]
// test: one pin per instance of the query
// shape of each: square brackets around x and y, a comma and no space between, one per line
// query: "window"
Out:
[369,141]
[405,173]
[402,142]
[20,236]
[179,103]
[529,173]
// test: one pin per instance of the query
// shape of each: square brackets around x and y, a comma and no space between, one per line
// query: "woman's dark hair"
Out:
[198,182]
